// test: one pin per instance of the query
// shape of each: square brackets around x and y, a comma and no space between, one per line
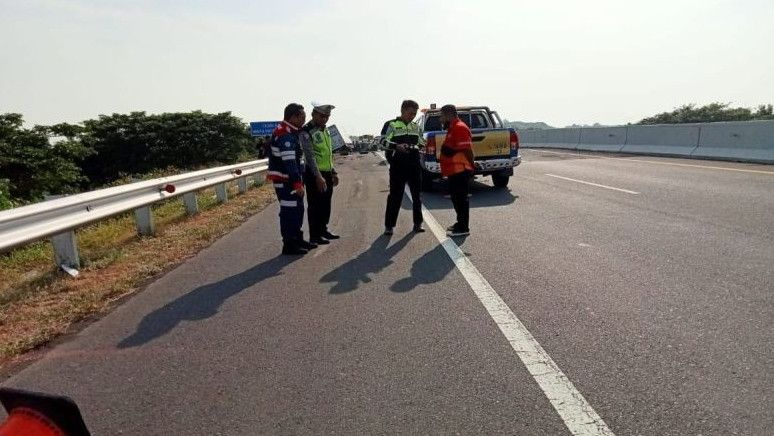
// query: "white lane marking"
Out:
[707,167]
[577,414]
[594,184]
[320,250]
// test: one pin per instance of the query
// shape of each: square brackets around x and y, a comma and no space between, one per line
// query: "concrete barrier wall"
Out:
[751,141]
[528,136]
[535,138]
[542,138]
[668,140]
[550,138]
[563,138]
[602,139]
[744,141]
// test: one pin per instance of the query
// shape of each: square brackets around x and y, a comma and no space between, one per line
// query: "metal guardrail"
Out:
[58,218]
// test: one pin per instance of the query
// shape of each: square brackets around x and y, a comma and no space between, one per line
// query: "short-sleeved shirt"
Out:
[458,138]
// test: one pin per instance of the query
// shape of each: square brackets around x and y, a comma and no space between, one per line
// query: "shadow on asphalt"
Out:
[201,303]
[432,267]
[483,195]
[350,275]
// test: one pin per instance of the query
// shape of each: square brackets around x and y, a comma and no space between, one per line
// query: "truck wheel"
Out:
[500,181]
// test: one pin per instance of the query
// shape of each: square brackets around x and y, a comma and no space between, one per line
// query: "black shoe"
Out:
[293,250]
[419,229]
[458,232]
[306,245]
[388,231]
[319,241]
[330,236]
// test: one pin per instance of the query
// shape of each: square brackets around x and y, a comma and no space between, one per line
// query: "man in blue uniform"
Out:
[285,173]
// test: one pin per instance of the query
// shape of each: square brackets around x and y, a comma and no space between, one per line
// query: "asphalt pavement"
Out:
[647,280]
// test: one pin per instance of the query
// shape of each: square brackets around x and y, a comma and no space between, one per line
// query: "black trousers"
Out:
[459,187]
[318,203]
[402,173]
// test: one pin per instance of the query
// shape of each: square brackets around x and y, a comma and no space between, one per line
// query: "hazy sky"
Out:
[561,62]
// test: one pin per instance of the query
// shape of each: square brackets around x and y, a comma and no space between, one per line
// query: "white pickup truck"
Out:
[496,148]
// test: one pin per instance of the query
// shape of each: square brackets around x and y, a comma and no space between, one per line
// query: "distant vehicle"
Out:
[496,148]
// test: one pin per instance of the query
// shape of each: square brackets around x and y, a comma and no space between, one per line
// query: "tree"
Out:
[32,166]
[712,112]
[137,143]
[65,158]
[5,195]
[764,112]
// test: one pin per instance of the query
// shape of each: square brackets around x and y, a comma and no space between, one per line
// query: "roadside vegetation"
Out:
[68,158]
[688,113]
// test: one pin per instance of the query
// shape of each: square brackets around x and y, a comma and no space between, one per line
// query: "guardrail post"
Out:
[144,219]
[66,250]
[65,246]
[242,183]
[221,192]
[191,203]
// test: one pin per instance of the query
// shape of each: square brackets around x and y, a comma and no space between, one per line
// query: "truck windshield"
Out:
[478,120]
[474,120]
[433,124]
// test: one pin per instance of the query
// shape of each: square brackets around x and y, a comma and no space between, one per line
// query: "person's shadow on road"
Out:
[201,303]
[432,267]
[482,195]
[350,275]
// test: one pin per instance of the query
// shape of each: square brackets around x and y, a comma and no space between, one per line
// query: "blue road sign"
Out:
[263,128]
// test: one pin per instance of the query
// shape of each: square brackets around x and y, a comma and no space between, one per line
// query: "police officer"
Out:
[319,177]
[285,172]
[402,139]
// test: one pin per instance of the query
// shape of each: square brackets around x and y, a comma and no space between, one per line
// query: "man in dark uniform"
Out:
[285,173]
[402,139]
[319,177]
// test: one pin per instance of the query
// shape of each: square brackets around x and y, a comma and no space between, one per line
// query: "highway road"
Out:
[598,294]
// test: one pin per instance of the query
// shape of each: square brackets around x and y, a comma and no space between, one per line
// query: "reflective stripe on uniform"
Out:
[401,132]
[279,185]
[288,203]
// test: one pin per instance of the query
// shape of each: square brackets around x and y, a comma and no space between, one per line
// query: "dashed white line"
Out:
[577,414]
[625,159]
[594,184]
